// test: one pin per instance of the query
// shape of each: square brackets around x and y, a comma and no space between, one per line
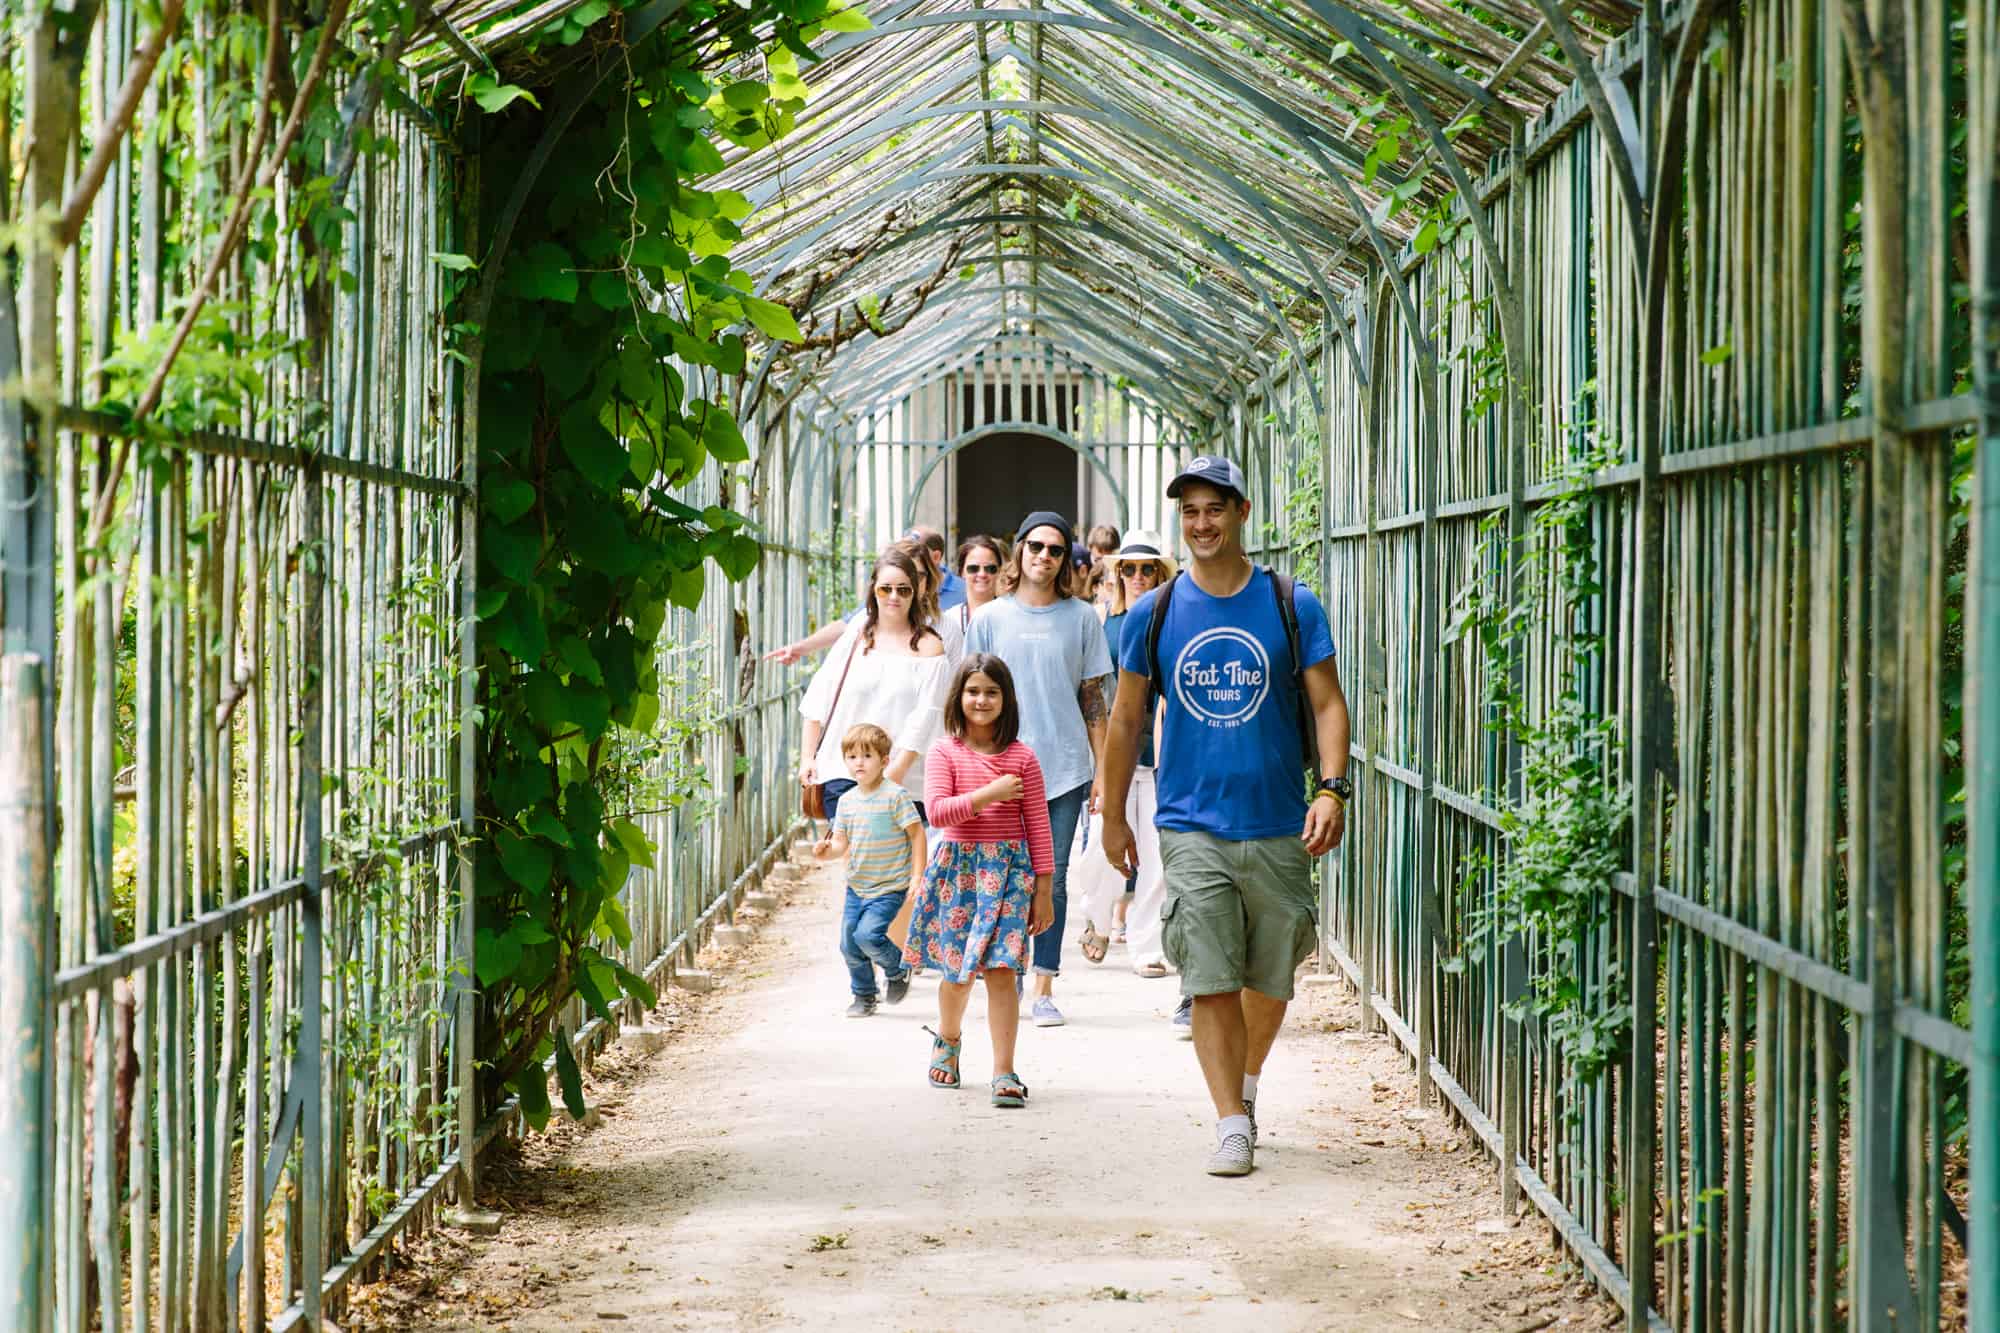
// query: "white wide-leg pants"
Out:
[1100,884]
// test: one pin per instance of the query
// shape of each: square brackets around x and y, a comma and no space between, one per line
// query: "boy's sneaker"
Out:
[1045,1013]
[863,1006]
[1233,1156]
[898,988]
[1184,1019]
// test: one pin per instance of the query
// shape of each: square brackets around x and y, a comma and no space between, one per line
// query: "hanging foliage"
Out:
[614,325]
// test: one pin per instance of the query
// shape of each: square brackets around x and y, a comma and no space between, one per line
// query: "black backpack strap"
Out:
[1155,625]
[1288,614]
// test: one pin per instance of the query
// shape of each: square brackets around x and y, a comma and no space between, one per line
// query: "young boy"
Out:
[878,830]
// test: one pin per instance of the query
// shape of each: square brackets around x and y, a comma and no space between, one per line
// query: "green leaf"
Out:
[595,450]
[531,1085]
[576,655]
[509,498]
[592,994]
[544,273]
[846,20]
[1718,354]
[719,433]
[774,320]
[455,262]
[746,96]
[637,847]
[527,861]
[569,1076]
[634,985]
[1427,237]
[542,820]
[493,95]
[495,956]
[686,588]
[739,556]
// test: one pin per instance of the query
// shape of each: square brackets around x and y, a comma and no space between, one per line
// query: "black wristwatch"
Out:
[1341,787]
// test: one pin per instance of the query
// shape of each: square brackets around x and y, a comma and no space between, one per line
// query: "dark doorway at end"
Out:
[1005,477]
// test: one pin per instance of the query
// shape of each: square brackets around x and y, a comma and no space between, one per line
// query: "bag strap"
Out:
[1286,591]
[834,707]
[1155,626]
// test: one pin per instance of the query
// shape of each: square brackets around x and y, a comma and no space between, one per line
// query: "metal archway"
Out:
[971,437]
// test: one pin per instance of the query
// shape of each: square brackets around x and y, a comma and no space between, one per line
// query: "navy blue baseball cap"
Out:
[1214,471]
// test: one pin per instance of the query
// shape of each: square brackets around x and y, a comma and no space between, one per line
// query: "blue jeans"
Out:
[864,941]
[1064,811]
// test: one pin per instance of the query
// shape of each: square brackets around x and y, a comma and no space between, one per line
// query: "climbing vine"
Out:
[1551,890]
[614,326]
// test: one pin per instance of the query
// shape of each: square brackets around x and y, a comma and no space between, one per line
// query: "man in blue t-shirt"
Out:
[1237,833]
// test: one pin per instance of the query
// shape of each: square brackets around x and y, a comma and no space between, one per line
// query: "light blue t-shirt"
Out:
[1231,761]
[1051,651]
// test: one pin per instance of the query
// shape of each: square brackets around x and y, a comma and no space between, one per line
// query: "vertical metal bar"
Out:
[310,1065]
[466,1013]
[1881,1284]
[1982,819]
[27,917]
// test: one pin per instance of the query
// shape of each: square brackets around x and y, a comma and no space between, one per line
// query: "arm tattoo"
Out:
[1091,696]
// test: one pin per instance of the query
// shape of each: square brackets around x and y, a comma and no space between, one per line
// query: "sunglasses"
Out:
[892,590]
[982,569]
[1033,547]
[1142,571]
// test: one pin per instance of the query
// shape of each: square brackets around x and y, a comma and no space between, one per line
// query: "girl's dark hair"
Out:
[984,664]
[1010,571]
[899,559]
[981,542]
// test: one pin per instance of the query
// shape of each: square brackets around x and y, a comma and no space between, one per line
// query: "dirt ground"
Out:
[780,1166]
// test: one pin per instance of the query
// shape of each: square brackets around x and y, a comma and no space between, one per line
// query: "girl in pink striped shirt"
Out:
[989,885]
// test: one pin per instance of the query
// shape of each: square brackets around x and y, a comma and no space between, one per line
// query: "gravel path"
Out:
[781,1166]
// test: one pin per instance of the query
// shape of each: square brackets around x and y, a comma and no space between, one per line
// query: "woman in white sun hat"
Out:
[1136,568]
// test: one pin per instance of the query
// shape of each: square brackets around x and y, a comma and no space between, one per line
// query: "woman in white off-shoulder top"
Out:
[895,670]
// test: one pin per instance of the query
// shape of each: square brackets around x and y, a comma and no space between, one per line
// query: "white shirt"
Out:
[900,693]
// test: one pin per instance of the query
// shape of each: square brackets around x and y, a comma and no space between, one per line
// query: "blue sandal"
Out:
[1010,1091]
[944,1060]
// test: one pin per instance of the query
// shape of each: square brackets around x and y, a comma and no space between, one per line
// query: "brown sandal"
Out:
[1094,945]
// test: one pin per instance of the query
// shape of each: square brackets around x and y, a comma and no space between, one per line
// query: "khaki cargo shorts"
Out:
[1238,914]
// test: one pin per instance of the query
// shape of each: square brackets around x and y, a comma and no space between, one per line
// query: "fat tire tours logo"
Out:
[1222,676]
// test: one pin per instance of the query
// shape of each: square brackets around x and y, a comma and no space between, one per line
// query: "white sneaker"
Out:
[1232,1157]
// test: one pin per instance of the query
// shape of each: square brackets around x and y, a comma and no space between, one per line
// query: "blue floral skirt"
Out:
[971,912]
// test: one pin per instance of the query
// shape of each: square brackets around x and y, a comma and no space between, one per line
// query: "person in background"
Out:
[1055,649]
[1100,544]
[879,831]
[1116,905]
[980,558]
[950,593]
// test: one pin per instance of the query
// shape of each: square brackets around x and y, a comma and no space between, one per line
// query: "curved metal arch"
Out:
[962,351]
[1221,245]
[1126,26]
[1251,198]
[992,428]
[1227,252]
[1156,375]
[1002,172]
